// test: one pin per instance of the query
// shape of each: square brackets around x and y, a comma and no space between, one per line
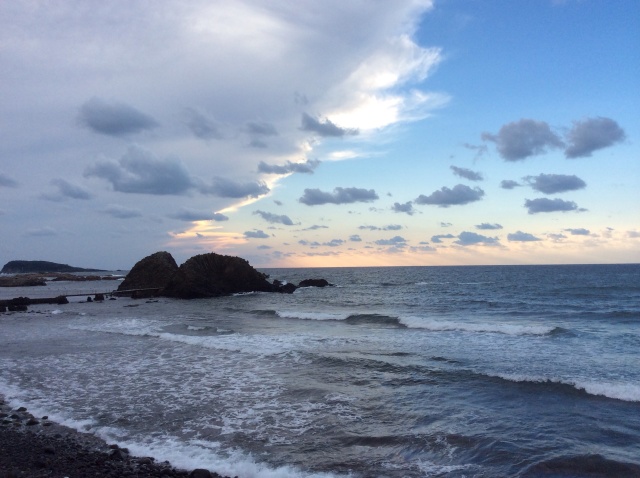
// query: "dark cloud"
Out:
[509,184]
[66,190]
[333,243]
[122,212]
[324,128]
[256,234]
[355,238]
[307,243]
[202,126]
[467,173]
[394,241]
[315,197]
[592,134]
[275,218]
[114,119]
[579,231]
[471,238]
[438,238]
[277,203]
[190,215]
[406,208]
[138,171]
[390,227]
[225,188]
[261,128]
[263,246]
[524,138]
[549,205]
[445,197]
[289,167]
[520,236]
[555,183]
[7,182]
[485,226]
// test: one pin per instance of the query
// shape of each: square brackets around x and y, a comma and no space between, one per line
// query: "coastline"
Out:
[37,447]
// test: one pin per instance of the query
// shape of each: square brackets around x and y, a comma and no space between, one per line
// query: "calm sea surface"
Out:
[520,371]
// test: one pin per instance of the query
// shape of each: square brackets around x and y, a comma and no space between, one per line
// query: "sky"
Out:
[320,134]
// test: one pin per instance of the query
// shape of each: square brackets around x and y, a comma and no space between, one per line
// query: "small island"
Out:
[22,267]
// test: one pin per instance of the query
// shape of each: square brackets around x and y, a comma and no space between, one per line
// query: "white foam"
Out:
[628,392]
[497,328]
[199,454]
[295,314]
[56,312]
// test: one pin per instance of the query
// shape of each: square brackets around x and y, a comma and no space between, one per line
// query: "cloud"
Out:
[324,128]
[202,126]
[314,228]
[633,234]
[256,234]
[394,241]
[355,238]
[121,212]
[191,215]
[7,182]
[555,183]
[114,119]
[139,171]
[225,188]
[467,173]
[509,184]
[549,205]
[333,243]
[263,247]
[485,226]
[521,139]
[390,227]
[66,190]
[307,167]
[261,128]
[471,238]
[579,231]
[275,218]
[405,208]
[315,197]
[520,236]
[592,134]
[445,197]
[41,232]
[438,238]
[556,237]
[445,224]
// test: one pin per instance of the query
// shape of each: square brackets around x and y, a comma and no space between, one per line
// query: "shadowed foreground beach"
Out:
[36,447]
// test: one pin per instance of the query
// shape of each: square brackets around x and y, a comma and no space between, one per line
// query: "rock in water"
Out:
[155,270]
[213,275]
[314,283]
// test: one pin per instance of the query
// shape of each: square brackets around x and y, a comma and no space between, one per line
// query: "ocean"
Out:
[483,371]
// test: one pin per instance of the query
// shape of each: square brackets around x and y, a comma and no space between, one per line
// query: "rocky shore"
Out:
[37,447]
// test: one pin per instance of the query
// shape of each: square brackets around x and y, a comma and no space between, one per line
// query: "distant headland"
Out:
[21,267]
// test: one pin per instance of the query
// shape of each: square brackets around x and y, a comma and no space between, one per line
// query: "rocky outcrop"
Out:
[154,271]
[214,275]
[20,267]
[314,283]
[202,276]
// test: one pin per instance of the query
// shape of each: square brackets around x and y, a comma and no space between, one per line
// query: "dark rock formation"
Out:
[314,283]
[17,267]
[287,288]
[214,275]
[27,280]
[155,270]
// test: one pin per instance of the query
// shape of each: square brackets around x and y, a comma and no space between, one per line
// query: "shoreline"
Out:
[38,447]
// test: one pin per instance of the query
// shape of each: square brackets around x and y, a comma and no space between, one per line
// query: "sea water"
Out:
[394,372]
